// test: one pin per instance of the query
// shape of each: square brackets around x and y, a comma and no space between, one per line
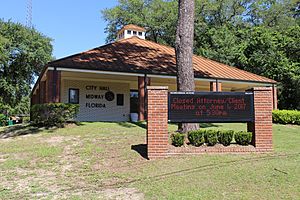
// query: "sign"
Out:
[211,107]
[98,96]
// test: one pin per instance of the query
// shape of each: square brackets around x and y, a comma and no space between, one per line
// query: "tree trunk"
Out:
[184,53]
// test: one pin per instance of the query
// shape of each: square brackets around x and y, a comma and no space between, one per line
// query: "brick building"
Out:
[108,82]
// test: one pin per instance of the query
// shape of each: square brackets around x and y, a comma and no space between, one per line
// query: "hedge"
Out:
[286,116]
[225,137]
[177,139]
[211,137]
[196,138]
[53,114]
[243,137]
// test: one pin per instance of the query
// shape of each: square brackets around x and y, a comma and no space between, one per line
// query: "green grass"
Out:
[99,160]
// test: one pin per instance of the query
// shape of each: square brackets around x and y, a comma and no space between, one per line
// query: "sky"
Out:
[74,25]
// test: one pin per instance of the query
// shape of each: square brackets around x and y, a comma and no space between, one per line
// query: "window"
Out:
[129,32]
[120,99]
[134,32]
[140,33]
[73,95]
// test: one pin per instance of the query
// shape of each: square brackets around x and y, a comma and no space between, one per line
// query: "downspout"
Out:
[274,91]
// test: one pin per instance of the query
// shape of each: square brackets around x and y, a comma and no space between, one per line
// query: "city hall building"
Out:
[109,82]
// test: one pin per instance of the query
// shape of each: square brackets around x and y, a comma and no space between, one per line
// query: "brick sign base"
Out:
[157,126]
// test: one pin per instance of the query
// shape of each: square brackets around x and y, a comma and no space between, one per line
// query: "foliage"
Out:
[211,137]
[286,116]
[177,139]
[3,120]
[25,119]
[23,53]
[225,137]
[196,137]
[243,137]
[258,36]
[4,108]
[53,114]
[159,17]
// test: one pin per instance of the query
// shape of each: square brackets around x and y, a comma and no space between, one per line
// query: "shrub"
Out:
[177,139]
[26,119]
[225,137]
[3,120]
[243,137]
[211,137]
[196,138]
[53,114]
[286,116]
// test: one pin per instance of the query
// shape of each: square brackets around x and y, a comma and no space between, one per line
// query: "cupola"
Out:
[131,30]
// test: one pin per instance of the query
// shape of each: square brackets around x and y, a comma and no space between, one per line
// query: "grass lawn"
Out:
[105,161]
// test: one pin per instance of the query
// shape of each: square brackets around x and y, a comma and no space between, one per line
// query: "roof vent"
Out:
[131,30]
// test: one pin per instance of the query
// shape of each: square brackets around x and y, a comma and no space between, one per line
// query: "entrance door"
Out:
[134,101]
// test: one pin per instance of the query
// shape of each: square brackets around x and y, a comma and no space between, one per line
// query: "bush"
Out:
[211,137]
[286,116]
[243,137]
[25,119]
[3,120]
[225,137]
[53,114]
[196,138]
[177,139]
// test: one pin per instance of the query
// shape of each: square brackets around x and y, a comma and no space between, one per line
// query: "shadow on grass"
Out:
[126,124]
[123,124]
[78,123]
[207,125]
[19,130]
[141,124]
[141,149]
[27,129]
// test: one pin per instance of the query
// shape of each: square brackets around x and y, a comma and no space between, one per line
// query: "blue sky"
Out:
[74,25]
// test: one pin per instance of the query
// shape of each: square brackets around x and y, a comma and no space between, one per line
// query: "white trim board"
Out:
[156,76]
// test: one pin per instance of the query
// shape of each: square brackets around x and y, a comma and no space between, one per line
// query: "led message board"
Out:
[211,107]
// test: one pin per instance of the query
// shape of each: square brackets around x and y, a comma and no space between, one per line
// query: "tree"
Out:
[277,14]
[184,52]
[23,53]
[257,36]
[157,16]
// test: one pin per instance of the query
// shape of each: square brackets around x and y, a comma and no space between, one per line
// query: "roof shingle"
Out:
[135,55]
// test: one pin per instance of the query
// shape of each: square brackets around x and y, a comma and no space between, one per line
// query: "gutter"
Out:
[158,75]
[215,79]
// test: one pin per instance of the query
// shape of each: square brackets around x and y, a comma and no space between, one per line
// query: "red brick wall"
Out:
[262,125]
[157,126]
[53,83]
[34,99]
[57,86]
[157,123]
[42,91]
